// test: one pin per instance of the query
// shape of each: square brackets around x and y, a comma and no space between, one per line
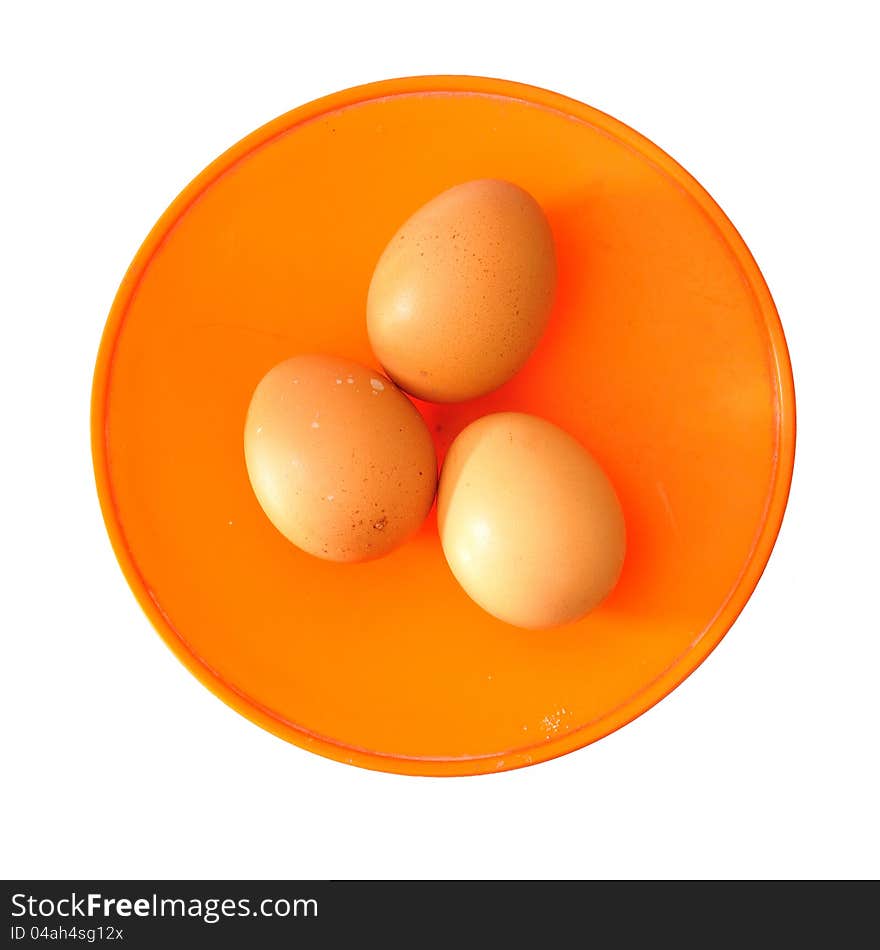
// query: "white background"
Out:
[118,763]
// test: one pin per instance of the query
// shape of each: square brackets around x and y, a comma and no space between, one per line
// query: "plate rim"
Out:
[714,631]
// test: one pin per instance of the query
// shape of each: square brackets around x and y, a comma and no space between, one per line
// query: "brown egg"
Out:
[339,459]
[462,293]
[530,524]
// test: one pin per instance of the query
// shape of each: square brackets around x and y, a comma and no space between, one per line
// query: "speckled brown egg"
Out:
[338,457]
[462,293]
[529,522]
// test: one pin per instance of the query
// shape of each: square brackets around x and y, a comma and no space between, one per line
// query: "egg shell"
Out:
[463,291]
[530,524]
[339,459]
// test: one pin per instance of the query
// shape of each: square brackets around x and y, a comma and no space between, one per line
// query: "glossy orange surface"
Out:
[664,356]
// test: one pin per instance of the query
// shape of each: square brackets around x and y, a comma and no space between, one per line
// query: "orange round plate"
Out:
[664,356]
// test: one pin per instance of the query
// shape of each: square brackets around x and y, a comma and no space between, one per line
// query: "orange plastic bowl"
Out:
[665,356]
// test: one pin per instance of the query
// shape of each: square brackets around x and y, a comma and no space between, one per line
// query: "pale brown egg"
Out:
[530,524]
[339,459]
[462,293]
